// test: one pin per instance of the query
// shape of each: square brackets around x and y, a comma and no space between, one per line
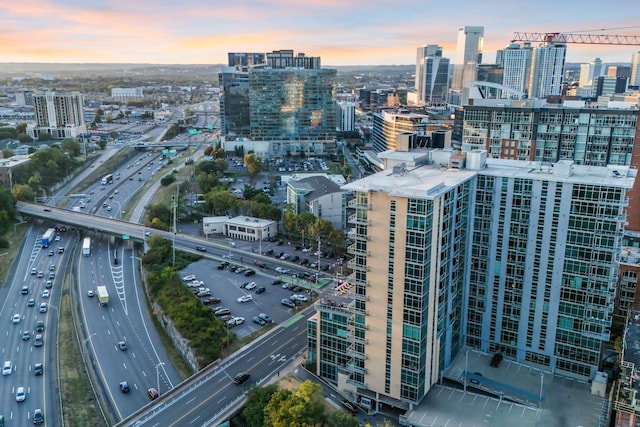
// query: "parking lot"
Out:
[228,287]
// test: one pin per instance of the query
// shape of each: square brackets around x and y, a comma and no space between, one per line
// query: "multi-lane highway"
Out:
[24,352]
[211,394]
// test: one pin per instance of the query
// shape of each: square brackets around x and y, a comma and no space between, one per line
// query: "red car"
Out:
[153,393]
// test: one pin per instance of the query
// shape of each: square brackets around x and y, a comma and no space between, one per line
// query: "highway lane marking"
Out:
[194,420]
[191,400]
[144,373]
[125,365]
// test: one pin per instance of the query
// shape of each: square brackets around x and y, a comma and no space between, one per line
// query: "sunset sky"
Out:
[341,32]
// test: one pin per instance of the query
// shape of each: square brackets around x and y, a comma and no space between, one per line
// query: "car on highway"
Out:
[47,209]
[45,293]
[245,298]
[31,302]
[122,345]
[38,416]
[15,319]
[124,387]
[24,290]
[40,326]
[201,249]
[241,378]
[90,293]
[34,271]
[153,393]
[38,369]
[26,335]
[7,368]
[251,285]
[40,275]
[52,276]
[21,395]
[38,341]
[43,307]
[288,302]
[48,284]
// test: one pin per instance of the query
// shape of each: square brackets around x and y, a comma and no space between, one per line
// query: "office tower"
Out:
[516,62]
[468,57]
[387,124]
[244,61]
[285,58]
[234,102]
[589,72]
[432,76]
[346,116]
[606,85]
[634,79]
[61,115]
[547,69]
[293,108]
[446,255]
[123,94]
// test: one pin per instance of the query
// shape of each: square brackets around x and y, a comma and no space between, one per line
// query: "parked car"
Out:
[211,300]
[276,282]
[260,290]
[349,407]
[258,320]
[249,273]
[222,312]
[288,302]
[265,317]
[245,298]
[235,321]
[299,297]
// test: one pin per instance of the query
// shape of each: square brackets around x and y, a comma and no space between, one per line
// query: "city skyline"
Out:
[357,33]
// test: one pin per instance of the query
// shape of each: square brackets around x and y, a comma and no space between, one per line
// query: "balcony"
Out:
[351,264]
[353,234]
[353,203]
[603,336]
[351,352]
[598,321]
[354,250]
[357,219]
[352,367]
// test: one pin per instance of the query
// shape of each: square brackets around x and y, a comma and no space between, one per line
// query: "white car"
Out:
[299,297]
[235,321]
[189,278]
[20,394]
[7,368]
[43,307]
[251,286]
[45,293]
[15,318]
[245,298]
[281,270]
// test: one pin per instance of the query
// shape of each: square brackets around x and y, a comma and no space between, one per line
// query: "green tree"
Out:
[168,180]
[254,164]
[23,193]
[71,146]
[257,400]
[21,128]
[45,136]
[341,419]
[159,215]
[102,144]
[221,203]
[7,153]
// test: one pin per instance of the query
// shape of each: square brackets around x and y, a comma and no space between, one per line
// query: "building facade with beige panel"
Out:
[498,255]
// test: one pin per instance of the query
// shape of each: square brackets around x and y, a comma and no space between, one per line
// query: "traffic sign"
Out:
[125,237]
[193,131]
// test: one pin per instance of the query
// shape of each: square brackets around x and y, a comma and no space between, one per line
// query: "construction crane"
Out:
[576,38]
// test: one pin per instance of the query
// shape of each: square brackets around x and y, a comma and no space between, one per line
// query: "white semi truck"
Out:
[86,246]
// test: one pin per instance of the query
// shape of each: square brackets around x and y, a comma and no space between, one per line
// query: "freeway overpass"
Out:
[113,227]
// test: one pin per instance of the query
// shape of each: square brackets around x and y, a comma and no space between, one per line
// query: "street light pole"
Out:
[466,368]
[158,376]
[541,385]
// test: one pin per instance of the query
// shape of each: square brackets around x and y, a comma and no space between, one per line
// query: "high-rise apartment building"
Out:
[634,79]
[432,76]
[590,72]
[244,61]
[515,60]
[467,58]
[501,255]
[234,102]
[547,70]
[285,58]
[346,116]
[61,115]
[535,131]
[387,124]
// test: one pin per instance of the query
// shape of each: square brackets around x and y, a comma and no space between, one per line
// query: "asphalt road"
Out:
[41,391]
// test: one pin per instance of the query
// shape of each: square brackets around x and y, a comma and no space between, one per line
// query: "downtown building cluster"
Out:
[513,233]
